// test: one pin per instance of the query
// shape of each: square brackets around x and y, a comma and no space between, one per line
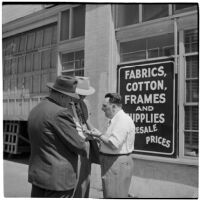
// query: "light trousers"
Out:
[116,173]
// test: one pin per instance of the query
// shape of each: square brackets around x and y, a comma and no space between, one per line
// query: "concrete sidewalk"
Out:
[16,176]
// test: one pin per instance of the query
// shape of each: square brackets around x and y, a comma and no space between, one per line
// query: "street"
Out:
[16,176]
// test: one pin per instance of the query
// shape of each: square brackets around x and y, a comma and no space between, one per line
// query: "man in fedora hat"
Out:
[84,89]
[55,142]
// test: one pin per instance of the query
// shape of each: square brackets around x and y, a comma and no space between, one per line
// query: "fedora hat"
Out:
[83,86]
[65,85]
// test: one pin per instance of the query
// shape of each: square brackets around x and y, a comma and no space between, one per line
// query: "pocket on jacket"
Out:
[65,176]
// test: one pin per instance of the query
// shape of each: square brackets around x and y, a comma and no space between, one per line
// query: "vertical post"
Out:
[140,13]
[59,66]
[176,75]
[175,45]
[181,93]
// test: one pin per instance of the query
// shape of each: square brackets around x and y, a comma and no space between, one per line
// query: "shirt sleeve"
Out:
[119,133]
[65,129]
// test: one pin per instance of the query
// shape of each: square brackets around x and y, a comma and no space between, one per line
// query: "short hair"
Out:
[114,98]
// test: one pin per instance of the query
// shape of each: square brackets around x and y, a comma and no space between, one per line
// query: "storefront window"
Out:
[73,63]
[127,14]
[154,11]
[74,26]
[192,94]
[153,47]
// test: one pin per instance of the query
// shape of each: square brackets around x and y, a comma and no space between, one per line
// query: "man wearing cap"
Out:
[55,142]
[81,111]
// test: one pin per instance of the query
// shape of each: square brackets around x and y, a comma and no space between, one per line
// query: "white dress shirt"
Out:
[121,132]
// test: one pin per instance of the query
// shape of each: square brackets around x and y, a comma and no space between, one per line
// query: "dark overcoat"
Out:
[55,145]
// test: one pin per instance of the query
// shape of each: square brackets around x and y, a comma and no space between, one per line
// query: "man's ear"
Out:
[113,106]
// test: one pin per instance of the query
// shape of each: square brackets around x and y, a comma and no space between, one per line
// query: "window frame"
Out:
[74,69]
[187,104]
[181,90]
[146,50]
[171,15]
[70,24]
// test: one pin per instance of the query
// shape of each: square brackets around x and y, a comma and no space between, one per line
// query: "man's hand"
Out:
[96,133]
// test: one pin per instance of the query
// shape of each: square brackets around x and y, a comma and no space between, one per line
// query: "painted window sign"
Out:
[148,97]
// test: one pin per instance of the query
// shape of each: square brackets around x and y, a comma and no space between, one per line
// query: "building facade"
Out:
[149,53]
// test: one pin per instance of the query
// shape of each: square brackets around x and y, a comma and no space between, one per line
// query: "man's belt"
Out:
[109,154]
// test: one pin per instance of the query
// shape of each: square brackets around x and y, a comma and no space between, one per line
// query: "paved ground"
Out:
[16,175]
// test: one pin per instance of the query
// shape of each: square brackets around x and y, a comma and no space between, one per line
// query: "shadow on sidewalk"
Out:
[19,158]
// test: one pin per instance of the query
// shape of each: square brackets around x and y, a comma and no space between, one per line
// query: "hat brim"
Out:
[74,95]
[90,91]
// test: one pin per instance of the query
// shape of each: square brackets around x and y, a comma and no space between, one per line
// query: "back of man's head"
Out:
[114,98]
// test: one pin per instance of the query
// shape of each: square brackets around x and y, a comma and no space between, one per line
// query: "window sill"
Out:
[182,161]
[72,40]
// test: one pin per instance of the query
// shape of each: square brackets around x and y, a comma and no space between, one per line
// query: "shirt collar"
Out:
[116,115]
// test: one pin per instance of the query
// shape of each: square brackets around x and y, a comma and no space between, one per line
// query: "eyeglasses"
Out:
[104,106]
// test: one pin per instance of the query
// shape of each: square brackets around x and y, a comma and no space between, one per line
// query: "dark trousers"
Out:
[83,186]
[38,192]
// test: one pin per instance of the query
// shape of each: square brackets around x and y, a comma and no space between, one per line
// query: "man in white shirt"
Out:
[117,145]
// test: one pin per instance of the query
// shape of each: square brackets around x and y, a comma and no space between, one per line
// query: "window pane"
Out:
[162,45]
[127,14]
[21,65]
[16,42]
[64,33]
[68,61]
[192,69]
[191,40]
[67,57]
[191,143]
[132,46]
[154,11]
[192,91]
[73,60]
[79,59]
[184,7]
[192,81]
[36,61]
[30,40]
[53,58]
[68,65]
[78,21]
[39,38]
[191,128]
[179,6]
[46,55]
[133,50]
[48,33]
[28,62]
[22,43]
[9,46]
[79,73]
[157,46]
